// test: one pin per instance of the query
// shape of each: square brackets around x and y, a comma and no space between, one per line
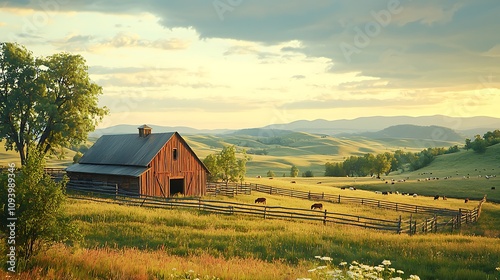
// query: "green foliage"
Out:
[308,173]
[77,157]
[270,173]
[226,166]
[370,164]
[46,103]
[39,201]
[480,144]
[335,169]
[294,171]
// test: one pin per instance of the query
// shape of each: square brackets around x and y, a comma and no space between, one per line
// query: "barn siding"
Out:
[163,167]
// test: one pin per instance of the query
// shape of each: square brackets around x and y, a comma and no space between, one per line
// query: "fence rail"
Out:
[402,207]
[98,190]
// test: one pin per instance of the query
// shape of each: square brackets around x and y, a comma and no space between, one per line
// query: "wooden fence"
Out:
[229,190]
[100,190]
[394,206]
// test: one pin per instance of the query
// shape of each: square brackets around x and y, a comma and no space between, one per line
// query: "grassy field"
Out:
[125,242]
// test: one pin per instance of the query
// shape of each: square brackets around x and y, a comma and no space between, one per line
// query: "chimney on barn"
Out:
[144,130]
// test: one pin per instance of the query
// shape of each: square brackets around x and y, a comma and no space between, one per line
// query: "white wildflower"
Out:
[399,271]
[396,278]
[414,277]
[312,270]
[386,262]
[379,269]
[317,257]
[343,263]
[326,259]
[392,269]
[321,267]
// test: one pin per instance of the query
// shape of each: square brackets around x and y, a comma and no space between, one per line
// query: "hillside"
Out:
[409,131]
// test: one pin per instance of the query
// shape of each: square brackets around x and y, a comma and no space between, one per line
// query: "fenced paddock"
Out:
[96,190]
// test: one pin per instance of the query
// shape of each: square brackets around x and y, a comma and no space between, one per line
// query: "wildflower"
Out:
[355,262]
[326,259]
[317,257]
[386,262]
[396,278]
[379,269]
[399,271]
[191,271]
[321,267]
[414,277]
[392,269]
[312,270]
[498,268]
[345,263]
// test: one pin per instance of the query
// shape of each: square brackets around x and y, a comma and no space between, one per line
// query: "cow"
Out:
[261,200]
[317,206]
[385,193]
[492,188]
[436,197]
[444,197]
[466,200]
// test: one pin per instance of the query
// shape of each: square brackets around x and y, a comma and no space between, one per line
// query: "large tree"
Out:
[226,166]
[45,103]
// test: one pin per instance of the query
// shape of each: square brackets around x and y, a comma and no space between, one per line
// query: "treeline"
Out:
[370,164]
[480,144]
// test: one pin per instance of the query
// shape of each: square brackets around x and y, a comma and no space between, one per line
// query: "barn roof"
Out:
[134,171]
[125,149]
[124,154]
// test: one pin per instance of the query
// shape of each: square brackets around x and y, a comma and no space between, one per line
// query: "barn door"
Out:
[176,187]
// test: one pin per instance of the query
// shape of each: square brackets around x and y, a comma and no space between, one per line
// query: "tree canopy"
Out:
[45,103]
[226,166]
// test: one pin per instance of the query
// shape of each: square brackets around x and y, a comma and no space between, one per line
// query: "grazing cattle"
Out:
[317,206]
[318,183]
[436,197]
[385,193]
[258,176]
[293,182]
[444,197]
[261,200]
[414,195]
[342,188]
[492,188]
[352,188]
[377,192]
[466,200]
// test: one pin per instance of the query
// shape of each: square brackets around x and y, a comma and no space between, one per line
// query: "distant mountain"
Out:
[128,128]
[376,123]
[262,132]
[409,131]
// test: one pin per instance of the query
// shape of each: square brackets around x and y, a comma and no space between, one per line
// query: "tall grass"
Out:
[124,242]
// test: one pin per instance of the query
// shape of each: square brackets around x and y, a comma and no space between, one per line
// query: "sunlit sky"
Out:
[250,63]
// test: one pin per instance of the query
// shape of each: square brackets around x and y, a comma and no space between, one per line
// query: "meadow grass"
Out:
[128,242]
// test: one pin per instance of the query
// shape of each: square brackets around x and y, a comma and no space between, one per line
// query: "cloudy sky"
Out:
[248,63]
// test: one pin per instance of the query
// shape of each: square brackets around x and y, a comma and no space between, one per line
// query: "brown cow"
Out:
[317,206]
[261,200]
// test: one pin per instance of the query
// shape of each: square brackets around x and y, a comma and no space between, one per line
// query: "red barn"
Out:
[160,164]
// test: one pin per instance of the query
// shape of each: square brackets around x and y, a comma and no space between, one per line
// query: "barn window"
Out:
[174,154]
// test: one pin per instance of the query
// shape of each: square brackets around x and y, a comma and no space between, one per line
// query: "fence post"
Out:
[309,195]
[397,208]
[399,225]
[411,231]
[323,195]
[324,219]
[265,211]
[339,198]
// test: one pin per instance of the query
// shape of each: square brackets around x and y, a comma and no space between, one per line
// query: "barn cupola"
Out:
[144,130]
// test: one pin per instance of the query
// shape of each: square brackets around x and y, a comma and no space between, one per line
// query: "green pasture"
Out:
[116,237]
